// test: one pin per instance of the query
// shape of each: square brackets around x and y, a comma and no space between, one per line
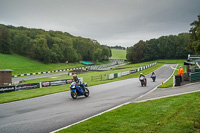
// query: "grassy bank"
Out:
[22,65]
[180,114]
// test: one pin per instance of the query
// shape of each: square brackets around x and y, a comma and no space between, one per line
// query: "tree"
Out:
[5,41]
[194,42]
[21,43]
[50,46]
[136,53]
[105,52]
[42,51]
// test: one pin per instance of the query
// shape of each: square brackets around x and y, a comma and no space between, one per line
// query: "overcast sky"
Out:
[110,22]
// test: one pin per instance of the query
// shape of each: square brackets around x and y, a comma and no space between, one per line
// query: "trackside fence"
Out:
[120,74]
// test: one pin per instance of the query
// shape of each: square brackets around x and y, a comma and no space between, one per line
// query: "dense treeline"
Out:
[50,46]
[165,47]
[117,47]
[194,42]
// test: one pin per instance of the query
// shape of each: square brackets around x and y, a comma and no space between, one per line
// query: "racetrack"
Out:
[51,112]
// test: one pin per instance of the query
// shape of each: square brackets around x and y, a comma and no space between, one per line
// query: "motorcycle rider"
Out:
[78,82]
[153,74]
[141,75]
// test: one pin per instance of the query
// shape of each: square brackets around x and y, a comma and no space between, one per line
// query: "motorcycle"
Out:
[78,90]
[153,77]
[143,81]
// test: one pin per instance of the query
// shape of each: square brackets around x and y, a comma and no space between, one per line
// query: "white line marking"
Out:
[91,117]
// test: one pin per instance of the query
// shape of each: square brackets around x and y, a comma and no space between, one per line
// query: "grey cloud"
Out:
[111,22]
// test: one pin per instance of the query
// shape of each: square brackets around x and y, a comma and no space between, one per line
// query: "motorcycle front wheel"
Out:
[86,92]
[73,94]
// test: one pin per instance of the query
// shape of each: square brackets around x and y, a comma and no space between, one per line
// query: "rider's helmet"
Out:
[75,78]
[140,73]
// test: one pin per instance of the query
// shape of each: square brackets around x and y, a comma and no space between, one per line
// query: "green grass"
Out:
[118,54]
[180,114]
[26,94]
[23,65]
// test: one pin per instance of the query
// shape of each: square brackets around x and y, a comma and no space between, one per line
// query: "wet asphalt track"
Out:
[48,113]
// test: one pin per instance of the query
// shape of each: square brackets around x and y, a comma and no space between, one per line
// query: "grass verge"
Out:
[179,114]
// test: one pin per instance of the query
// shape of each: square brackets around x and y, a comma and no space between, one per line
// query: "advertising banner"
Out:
[132,71]
[45,84]
[119,74]
[7,89]
[125,73]
[68,81]
[115,75]
[27,86]
[58,82]
[111,76]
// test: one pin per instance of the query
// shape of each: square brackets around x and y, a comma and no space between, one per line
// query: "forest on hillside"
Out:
[50,46]
[167,47]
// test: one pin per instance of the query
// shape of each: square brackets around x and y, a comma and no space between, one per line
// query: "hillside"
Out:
[50,46]
[21,65]
[118,54]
